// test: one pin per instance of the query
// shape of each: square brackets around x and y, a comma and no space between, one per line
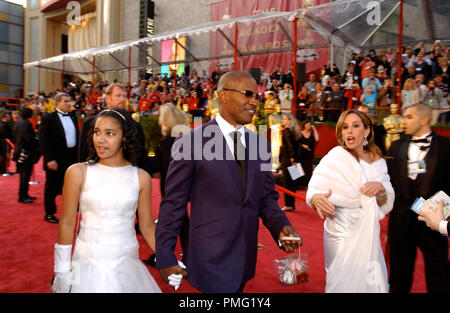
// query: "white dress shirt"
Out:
[69,129]
[443,228]
[414,152]
[227,129]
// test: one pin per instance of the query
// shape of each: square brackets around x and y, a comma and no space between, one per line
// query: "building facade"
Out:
[11,49]
[55,27]
[52,28]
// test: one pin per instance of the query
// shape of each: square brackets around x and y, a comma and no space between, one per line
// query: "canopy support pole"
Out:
[294,67]
[399,57]
[62,75]
[344,63]
[129,72]
[23,82]
[331,53]
[175,66]
[236,30]
[39,79]
[93,74]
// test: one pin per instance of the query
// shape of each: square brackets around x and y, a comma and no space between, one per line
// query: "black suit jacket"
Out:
[5,133]
[435,179]
[144,162]
[25,139]
[53,141]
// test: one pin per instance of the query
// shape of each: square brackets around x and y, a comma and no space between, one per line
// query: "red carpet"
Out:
[26,257]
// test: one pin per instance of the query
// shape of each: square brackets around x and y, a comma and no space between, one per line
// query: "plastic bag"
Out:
[292,269]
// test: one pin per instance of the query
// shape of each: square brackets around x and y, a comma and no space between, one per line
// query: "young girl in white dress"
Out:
[108,189]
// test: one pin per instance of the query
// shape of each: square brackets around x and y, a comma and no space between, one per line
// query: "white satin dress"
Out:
[354,260]
[106,253]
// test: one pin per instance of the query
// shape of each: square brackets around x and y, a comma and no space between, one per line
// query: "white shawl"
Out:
[358,265]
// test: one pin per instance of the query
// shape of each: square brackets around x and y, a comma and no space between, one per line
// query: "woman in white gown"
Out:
[351,186]
[108,190]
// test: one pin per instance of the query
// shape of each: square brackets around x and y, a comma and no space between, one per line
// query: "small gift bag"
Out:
[292,269]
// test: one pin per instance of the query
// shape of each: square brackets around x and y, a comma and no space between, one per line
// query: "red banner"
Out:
[262,37]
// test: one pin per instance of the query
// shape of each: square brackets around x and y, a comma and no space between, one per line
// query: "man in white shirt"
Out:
[58,136]
[228,193]
[418,167]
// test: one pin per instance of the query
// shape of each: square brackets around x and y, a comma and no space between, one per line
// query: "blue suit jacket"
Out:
[222,247]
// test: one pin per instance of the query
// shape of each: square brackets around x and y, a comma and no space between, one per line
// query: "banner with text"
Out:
[263,37]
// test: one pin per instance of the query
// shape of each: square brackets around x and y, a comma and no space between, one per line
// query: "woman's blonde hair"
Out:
[405,86]
[371,147]
[172,118]
[293,125]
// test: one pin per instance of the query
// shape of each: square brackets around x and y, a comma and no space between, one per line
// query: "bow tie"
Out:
[422,140]
[63,114]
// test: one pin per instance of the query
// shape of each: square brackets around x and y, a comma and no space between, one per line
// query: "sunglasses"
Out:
[247,93]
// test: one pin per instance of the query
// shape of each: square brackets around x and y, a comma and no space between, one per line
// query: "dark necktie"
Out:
[63,114]
[239,156]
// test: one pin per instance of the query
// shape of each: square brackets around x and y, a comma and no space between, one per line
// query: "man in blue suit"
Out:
[220,170]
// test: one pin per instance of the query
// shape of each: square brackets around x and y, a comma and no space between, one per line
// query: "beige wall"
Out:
[54,31]
[118,20]
[111,29]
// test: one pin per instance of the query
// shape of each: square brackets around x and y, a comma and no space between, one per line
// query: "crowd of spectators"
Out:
[369,79]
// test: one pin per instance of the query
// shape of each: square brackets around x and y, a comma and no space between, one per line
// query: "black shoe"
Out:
[151,260]
[31,198]
[26,200]
[51,219]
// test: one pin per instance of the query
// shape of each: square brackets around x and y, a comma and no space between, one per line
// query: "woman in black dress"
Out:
[307,143]
[290,135]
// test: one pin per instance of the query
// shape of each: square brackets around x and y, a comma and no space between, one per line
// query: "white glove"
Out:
[63,276]
[175,279]
[61,283]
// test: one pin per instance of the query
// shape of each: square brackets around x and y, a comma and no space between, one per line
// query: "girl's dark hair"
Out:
[131,148]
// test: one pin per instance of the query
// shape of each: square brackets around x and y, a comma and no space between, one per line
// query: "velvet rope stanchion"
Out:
[293,194]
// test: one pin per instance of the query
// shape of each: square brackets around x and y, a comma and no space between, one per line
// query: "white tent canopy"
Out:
[349,24]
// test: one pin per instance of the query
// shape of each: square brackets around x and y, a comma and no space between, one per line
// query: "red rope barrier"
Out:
[293,194]
[10,143]
[10,98]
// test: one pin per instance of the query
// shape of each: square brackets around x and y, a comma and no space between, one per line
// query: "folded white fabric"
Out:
[62,259]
